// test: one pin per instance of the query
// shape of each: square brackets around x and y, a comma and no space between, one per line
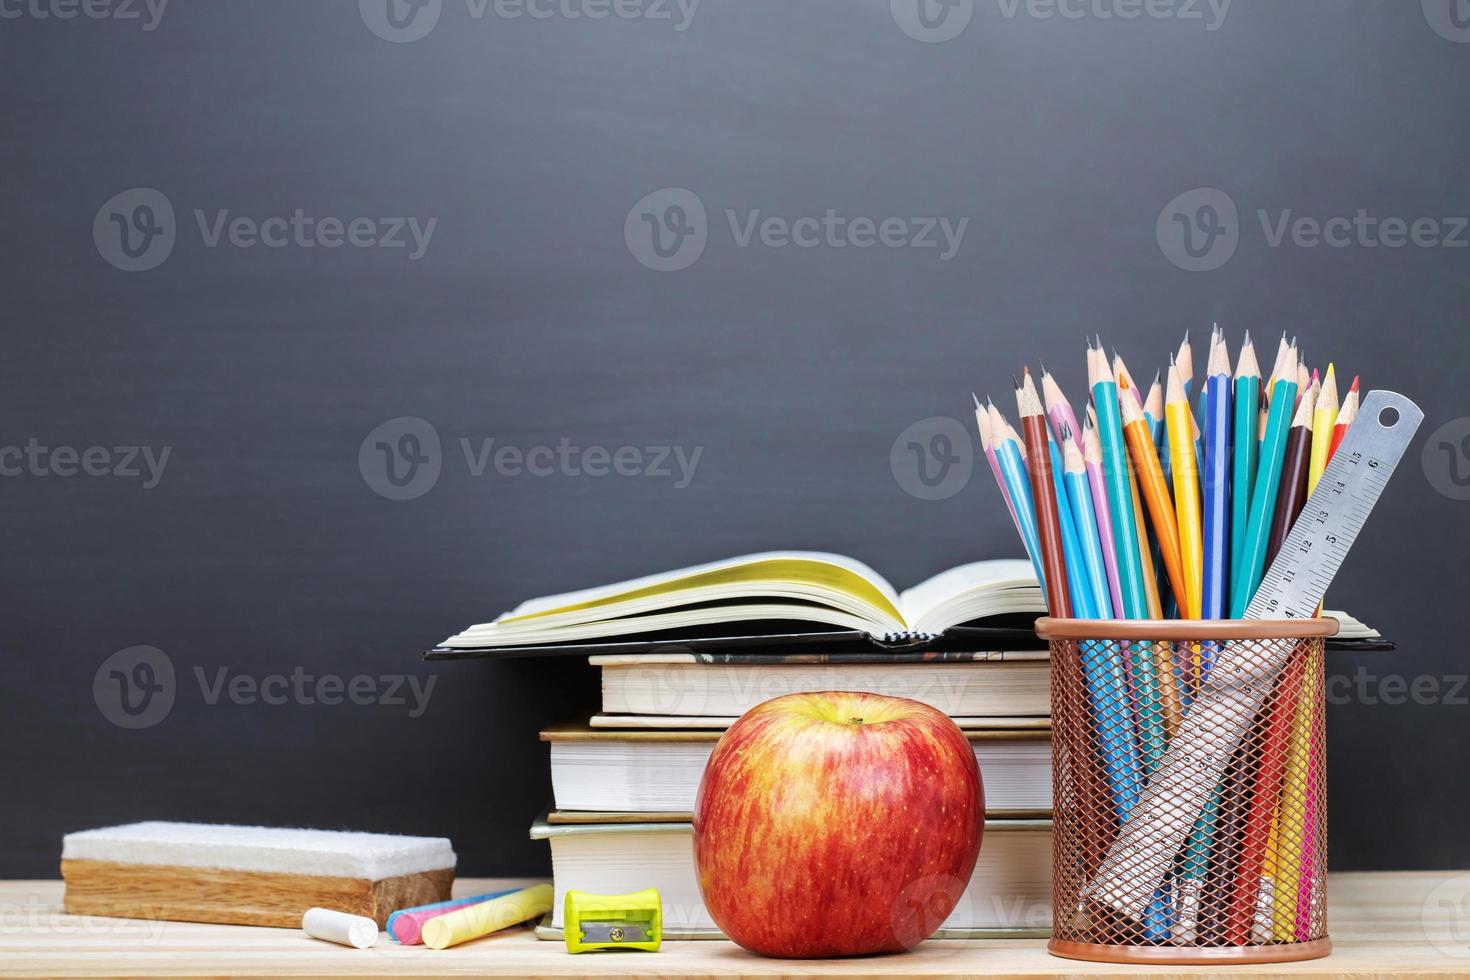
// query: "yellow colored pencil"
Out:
[1324,417]
[1186,493]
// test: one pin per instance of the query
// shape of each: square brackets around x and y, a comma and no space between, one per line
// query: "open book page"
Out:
[478,636]
[972,591]
[802,585]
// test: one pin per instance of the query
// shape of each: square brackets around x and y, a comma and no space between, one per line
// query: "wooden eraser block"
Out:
[255,876]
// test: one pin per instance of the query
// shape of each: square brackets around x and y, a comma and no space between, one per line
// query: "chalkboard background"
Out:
[271,546]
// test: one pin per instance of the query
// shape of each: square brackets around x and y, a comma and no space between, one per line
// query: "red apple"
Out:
[835,823]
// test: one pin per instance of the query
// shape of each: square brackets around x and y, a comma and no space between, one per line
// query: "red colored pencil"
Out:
[1263,799]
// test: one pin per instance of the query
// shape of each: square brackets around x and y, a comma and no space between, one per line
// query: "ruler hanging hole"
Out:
[1389,417]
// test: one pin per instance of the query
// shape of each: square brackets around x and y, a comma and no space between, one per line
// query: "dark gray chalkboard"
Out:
[272,357]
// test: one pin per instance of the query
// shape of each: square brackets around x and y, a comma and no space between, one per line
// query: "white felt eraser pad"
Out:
[331,853]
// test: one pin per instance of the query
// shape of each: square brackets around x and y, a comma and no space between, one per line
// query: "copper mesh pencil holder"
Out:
[1146,870]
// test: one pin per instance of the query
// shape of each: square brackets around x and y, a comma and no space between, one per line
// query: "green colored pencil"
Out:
[1243,465]
[1252,565]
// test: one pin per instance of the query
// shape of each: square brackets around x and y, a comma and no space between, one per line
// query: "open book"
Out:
[775,586]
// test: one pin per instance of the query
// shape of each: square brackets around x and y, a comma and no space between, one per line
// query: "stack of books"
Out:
[624,780]
[683,654]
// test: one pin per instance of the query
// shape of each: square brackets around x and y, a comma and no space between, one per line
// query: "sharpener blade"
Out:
[614,932]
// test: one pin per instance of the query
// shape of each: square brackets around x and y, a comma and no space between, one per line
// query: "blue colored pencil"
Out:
[1107,686]
[1018,484]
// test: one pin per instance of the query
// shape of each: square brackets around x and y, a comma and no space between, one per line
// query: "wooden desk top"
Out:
[1403,923]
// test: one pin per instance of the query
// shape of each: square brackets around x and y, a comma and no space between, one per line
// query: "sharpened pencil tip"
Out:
[977,400]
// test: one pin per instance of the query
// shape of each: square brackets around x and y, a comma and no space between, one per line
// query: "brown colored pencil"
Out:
[1044,494]
[1293,493]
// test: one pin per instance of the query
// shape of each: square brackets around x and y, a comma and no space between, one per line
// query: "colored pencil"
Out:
[1216,484]
[1059,412]
[1115,470]
[1142,670]
[1124,381]
[1345,416]
[1297,461]
[1153,418]
[1155,493]
[1013,466]
[1145,555]
[1184,363]
[1189,531]
[1290,814]
[1267,482]
[1324,417]
[1151,489]
[1084,517]
[1078,586]
[982,422]
[1103,671]
[1092,460]
[1253,881]
[1243,461]
[1044,497]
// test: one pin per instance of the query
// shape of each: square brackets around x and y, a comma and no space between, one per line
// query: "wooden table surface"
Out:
[1402,923]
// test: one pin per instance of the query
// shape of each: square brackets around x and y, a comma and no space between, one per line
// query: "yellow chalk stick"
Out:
[475,921]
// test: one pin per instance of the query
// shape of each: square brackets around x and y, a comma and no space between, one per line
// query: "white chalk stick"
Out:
[339,927]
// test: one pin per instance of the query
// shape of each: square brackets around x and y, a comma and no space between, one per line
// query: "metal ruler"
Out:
[1230,699]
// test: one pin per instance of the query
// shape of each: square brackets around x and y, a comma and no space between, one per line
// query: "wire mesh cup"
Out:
[1189,790]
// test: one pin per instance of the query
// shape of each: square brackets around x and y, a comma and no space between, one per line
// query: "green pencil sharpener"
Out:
[594,923]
